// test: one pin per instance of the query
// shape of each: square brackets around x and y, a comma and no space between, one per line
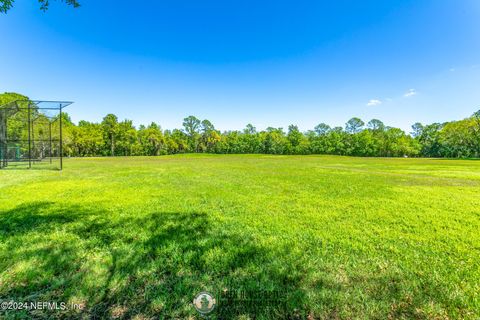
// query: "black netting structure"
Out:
[31,134]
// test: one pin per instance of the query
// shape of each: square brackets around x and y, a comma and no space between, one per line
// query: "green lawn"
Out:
[271,236]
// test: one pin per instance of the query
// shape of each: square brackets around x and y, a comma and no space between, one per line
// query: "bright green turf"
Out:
[340,237]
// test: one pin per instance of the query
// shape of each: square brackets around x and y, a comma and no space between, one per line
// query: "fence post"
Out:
[61,139]
[29,138]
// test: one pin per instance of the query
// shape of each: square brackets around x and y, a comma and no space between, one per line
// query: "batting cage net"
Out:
[31,134]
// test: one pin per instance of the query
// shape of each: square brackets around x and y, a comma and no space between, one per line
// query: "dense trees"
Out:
[113,137]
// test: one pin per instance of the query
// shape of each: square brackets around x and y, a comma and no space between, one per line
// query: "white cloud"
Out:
[374,102]
[453,69]
[410,93]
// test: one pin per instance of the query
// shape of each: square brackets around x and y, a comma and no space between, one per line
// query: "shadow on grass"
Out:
[149,266]
[41,165]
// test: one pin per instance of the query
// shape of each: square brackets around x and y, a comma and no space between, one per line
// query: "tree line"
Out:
[111,137]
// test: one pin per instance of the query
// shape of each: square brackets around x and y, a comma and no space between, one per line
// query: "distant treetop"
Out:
[6,5]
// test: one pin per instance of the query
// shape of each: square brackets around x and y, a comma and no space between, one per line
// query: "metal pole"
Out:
[3,140]
[6,140]
[50,136]
[33,139]
[61,140]
[29,138]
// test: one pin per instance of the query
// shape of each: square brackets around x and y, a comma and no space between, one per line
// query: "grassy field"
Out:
[271,236]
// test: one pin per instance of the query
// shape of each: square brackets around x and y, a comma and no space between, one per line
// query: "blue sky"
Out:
[269,63]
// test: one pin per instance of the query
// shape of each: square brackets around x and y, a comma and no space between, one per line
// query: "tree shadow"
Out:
[35,216]
[149,266]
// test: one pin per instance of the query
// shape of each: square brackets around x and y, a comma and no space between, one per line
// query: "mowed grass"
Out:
[273,237]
